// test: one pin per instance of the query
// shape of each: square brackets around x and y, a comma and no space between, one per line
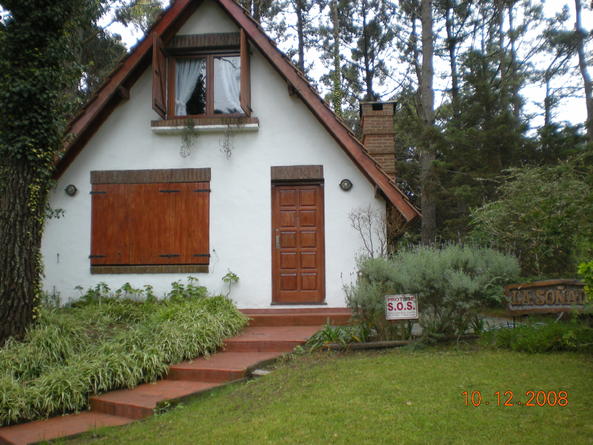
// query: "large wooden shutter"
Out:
[150,223]
[245,94]
[159,77]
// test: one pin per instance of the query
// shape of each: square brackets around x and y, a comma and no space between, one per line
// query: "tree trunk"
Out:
[588,85]
[20,257]
[548,100]
[452,48]
[298,7]
[427,153]
[514,67]
[337,93]
[368,74]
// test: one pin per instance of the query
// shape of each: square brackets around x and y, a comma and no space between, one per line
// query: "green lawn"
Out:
[399,396]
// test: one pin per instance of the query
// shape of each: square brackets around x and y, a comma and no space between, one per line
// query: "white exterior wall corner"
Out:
[240,201]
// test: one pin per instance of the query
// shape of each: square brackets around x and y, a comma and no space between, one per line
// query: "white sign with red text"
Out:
[401,307]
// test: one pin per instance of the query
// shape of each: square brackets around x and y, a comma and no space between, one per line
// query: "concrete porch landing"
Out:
[271,333]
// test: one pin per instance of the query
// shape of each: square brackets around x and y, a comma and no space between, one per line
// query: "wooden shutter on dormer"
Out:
[159,77]
[245,95]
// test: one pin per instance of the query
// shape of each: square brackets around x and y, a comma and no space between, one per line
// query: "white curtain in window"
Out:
[227,84]
[188,72]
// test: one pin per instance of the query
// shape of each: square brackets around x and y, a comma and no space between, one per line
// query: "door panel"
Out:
[298,264]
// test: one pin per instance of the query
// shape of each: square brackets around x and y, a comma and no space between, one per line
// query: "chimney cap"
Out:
[375,103]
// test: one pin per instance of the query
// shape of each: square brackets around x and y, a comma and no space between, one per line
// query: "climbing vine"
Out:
[36,68]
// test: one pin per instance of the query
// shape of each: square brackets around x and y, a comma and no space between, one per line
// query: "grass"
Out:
[400,396]
[107,343]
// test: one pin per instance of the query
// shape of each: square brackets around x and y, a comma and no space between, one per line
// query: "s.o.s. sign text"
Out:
[401,307]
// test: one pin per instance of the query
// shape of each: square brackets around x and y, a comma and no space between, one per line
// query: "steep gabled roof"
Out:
[117,85]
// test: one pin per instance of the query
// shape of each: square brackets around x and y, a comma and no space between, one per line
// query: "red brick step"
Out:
[42,430]
[298,317]
[140,402]
[270,338]
[220,367]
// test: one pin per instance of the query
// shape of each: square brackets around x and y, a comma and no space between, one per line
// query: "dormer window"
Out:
[201,76]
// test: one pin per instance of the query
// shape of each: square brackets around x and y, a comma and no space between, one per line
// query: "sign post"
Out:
[401,307]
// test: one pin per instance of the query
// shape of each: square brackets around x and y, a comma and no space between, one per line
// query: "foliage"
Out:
[108,340]
[36,69]
[586,272]
[543,337]
[543,215]
[180,291]
[341,335]
[451,283]
[230,278]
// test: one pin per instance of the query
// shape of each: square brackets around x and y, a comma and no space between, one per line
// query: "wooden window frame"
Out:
[208,46]
[164,176]
[172,75]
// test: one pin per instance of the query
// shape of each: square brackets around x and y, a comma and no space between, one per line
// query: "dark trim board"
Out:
[150,176]
[297,173]
[166,268]
[195,42]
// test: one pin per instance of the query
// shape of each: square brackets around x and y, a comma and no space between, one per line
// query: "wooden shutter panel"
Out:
[245,94]
[110,225]
[159,77]
[170,223]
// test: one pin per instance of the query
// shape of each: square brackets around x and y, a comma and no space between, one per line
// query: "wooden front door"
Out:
[298,263]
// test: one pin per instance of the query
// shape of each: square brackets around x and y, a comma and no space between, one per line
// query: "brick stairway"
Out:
[271,333]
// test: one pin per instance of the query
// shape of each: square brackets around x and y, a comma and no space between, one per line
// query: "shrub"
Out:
[341,335]
[108,341]
[586,273]
[543,337]
[544,215]
[451,283]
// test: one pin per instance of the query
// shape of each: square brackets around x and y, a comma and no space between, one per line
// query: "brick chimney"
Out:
[378,135]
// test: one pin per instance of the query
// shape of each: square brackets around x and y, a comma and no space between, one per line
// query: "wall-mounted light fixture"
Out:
[71,190]
[345,184]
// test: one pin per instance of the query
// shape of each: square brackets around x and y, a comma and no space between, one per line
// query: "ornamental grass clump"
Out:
[452,283]
[106,341]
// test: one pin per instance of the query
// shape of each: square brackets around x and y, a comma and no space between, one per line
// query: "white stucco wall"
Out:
[240,202]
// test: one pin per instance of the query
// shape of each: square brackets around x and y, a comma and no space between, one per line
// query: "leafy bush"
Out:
[107,341]
[451,283]
[543,215]
[543,337]
[586,273]
[341,335]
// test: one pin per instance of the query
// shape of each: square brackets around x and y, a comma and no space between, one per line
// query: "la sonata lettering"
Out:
[541,297]
[555,295]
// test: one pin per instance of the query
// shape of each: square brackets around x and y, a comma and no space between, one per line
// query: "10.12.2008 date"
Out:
[507,398]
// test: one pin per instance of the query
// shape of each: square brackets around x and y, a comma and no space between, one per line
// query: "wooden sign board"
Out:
[546,296]
[401,307]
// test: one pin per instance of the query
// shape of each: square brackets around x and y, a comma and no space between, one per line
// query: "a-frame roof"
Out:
[116,88]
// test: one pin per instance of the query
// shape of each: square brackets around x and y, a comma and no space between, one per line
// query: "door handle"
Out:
[277,240]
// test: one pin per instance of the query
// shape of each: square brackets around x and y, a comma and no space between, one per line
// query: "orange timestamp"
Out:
[507,398]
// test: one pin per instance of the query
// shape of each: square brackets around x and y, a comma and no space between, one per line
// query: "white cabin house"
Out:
[206,151]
